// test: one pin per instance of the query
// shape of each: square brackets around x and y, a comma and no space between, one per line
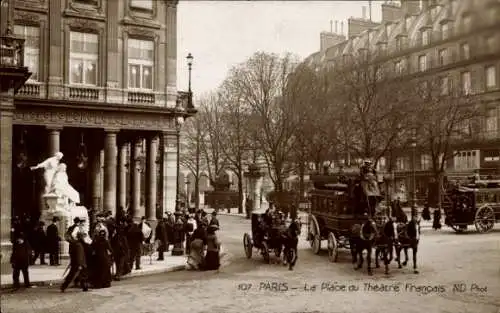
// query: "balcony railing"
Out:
[11,51]
[141,97]
[30,89]
[83,93]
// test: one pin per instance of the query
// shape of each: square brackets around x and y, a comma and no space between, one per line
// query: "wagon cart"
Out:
[260,239]
[476,204]
[334,210]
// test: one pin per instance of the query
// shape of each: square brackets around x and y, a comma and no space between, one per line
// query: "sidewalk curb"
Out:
[224,257]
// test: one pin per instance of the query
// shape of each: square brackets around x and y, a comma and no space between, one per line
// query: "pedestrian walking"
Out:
[161,238]
[121,251]
[78,262]
[102,261]
[170,230]
[214,220]
[20,257]
[53,240]
[135,238]
[38,243]
[190,228]
[426,213]
[436,223]
[195,259]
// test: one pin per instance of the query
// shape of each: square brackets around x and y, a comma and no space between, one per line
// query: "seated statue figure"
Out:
[62,188]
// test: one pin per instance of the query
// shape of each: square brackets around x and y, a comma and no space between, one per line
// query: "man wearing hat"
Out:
[53,240]
[214,220]
[78,262]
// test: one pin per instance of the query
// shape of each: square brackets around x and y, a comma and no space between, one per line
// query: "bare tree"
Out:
[444,116]
[372,108]
[261,83]
[210,148]
[191,152]
[234,142]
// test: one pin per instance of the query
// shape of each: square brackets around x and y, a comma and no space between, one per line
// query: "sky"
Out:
[221,34]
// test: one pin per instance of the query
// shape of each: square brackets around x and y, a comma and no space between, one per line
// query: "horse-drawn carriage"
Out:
[345,210]
[474,204]
[267,237]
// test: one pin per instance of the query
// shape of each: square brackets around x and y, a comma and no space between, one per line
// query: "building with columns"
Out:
[102,91]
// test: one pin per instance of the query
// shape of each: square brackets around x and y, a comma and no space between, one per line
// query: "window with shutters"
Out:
[443,57]
[467,23]
[425,37]
[445,31]
[491,77]
[466,83]
[464,51]
[422,63]
[445,85]
[492,123]
[425,162]
[467,160]
[31,35]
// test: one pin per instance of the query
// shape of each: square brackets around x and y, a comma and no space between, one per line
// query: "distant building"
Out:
[456,40]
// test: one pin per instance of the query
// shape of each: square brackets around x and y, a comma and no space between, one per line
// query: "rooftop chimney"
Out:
[342,27]
[331,26]
[363,8]
[390,12]
[336,27]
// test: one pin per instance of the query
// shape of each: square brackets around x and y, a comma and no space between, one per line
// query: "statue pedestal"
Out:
[59,206]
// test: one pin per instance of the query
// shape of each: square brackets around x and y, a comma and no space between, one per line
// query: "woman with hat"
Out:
[195,259]
[212,259]
[101,276]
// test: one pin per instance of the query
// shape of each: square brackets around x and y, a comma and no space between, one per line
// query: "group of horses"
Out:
[385,237]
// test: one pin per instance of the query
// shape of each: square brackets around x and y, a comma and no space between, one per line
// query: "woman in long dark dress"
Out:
[195,259]
[102,261]
[212,259]
[436,223]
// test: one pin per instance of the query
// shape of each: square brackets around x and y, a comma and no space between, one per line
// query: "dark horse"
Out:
[362,238]
[289,242]
[384,245]
[408,236]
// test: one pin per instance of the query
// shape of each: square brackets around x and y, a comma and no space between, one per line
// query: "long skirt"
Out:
[212,260]
[195,257]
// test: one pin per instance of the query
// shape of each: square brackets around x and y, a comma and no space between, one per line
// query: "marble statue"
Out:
[61,187]
[50,167]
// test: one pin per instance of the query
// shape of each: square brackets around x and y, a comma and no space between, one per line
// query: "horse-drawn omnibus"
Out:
[345,210]
[475,204]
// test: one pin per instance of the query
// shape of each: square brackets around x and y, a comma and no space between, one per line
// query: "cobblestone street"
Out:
[243,285]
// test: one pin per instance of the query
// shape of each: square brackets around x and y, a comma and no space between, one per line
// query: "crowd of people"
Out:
[109,241]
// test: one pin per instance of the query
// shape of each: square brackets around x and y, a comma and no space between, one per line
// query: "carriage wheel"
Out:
[247,244]
[333,248]
[265,252]
[485,219]
[315,235]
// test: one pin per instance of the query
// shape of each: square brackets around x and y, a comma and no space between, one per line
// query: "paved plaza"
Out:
[471,261]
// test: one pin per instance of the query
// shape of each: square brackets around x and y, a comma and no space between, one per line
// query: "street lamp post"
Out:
[413,184]
[190,65]
[178,123]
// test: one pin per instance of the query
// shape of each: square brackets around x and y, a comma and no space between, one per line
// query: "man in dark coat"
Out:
[53,240]
[78,263]
[161,236]
[20,257]
[38,243]
[170,230]
[214,221]
[135,238]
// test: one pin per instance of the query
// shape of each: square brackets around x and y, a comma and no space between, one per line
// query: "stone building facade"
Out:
[102,91]
[457,41]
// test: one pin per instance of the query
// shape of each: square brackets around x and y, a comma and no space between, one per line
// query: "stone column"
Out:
[151,152]
[6,116]
[135,179]
[122,176]
[54,140]
[110,171]
[169,171]
[96,180]
[55,69]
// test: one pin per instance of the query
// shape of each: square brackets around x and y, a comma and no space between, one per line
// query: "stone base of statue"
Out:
[60,206]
